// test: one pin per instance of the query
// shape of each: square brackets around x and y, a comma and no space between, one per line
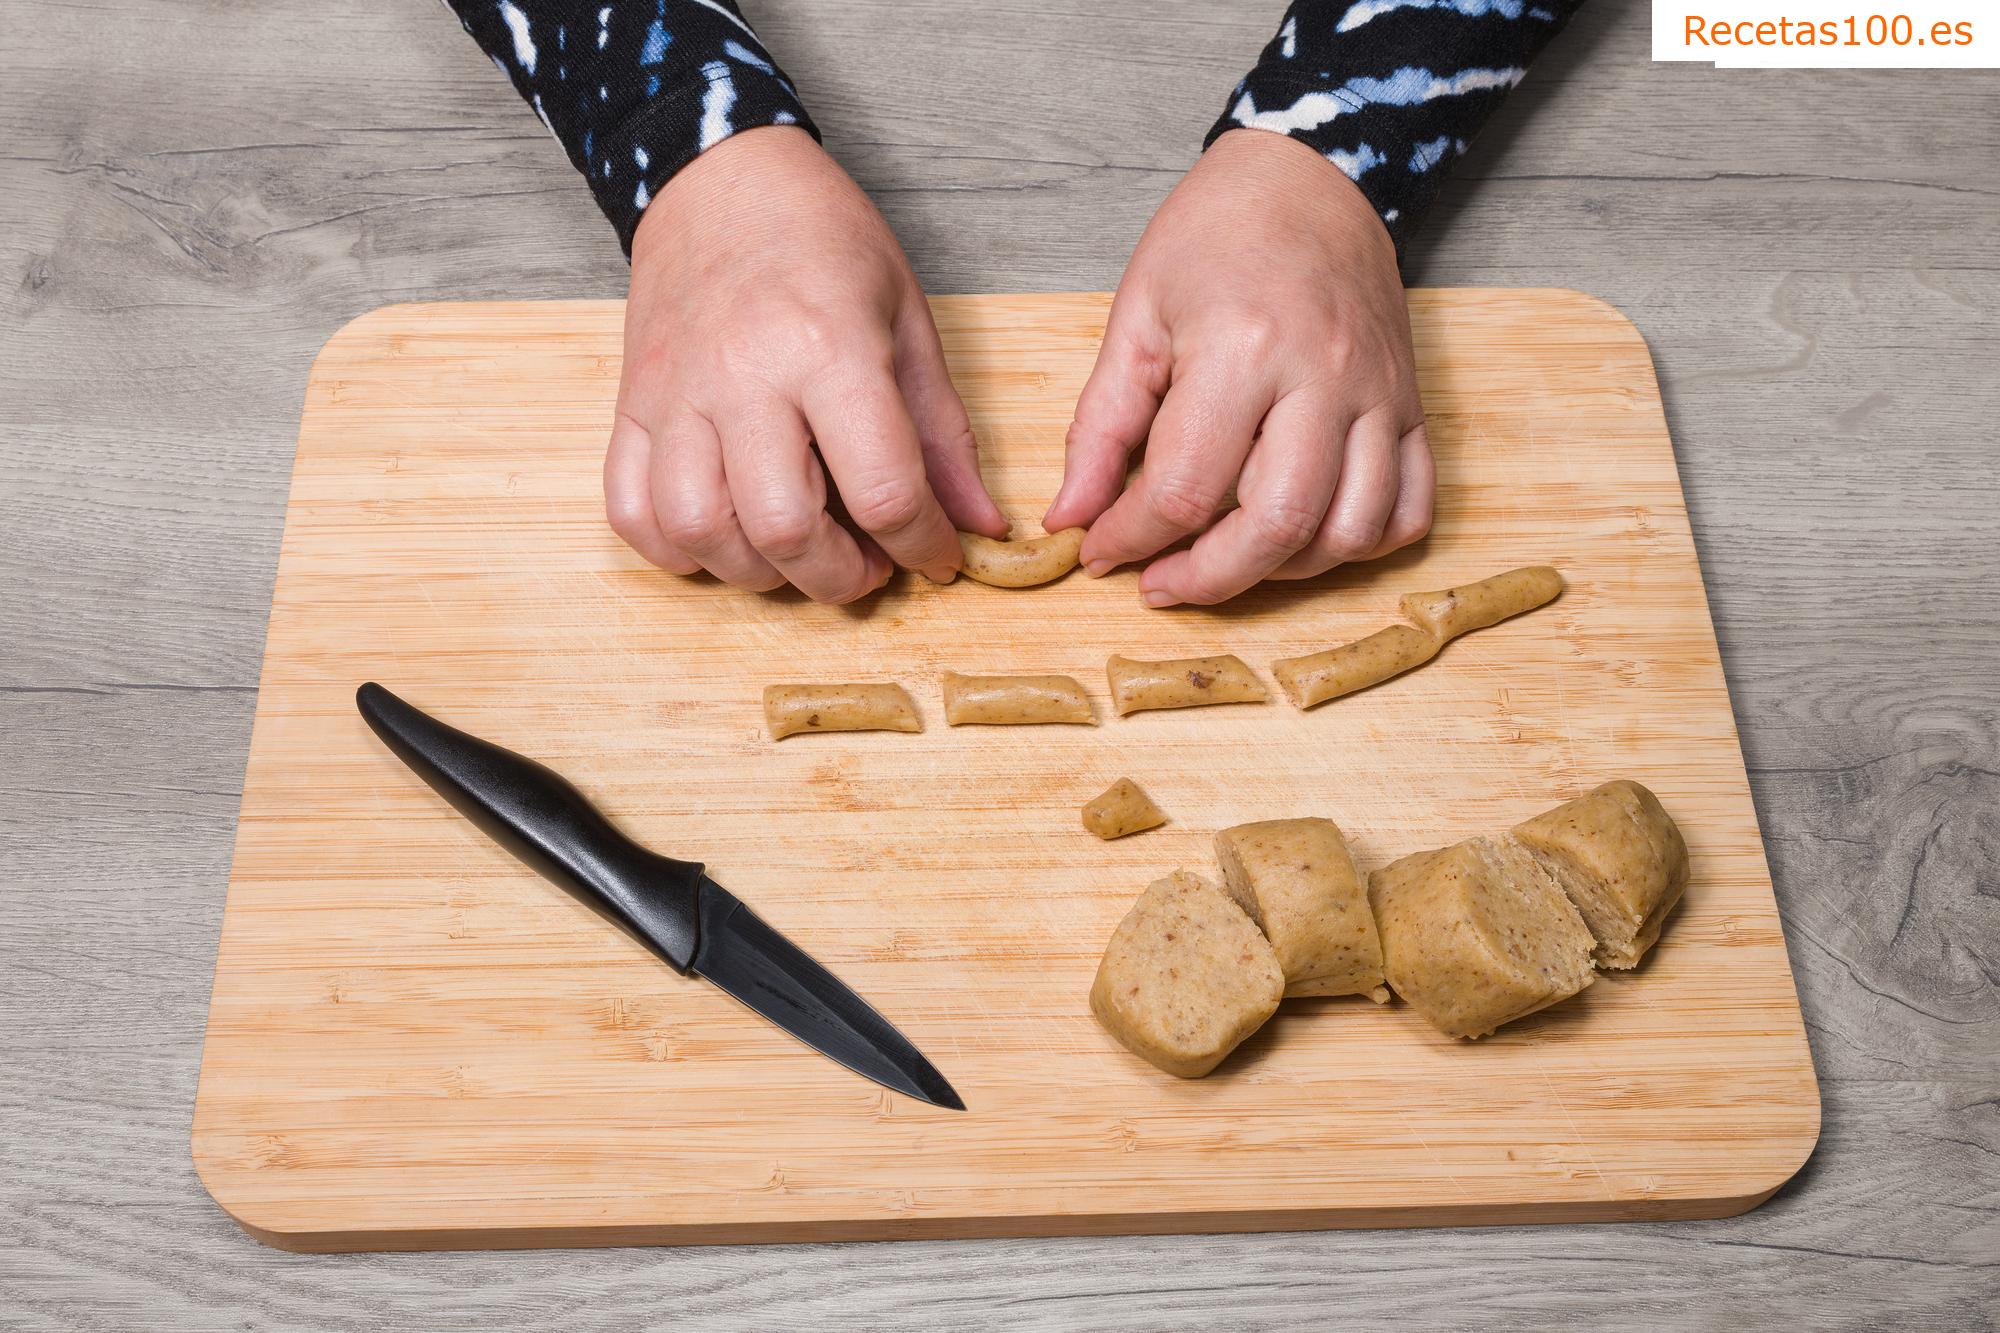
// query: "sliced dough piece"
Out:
[1455,611]
[1014,701]
[1182,682]
[1478,934]
[1121,809]
[1298,881]
[1021,564]
[1317,677]
[1622,861]
[1187,976]
[790,709]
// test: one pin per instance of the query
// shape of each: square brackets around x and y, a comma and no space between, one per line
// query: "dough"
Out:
[1454,611]
[1620,859]
[1014,701]
[1317,677]
[1187,682]
[1020,564]
[1298,881]
[789,709]
[1186,977]
[1122,809]
[1478,935]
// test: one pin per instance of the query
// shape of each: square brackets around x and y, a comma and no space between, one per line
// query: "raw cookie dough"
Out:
[1020,564]
[1317,677]
[1187,682]
[1454,611]
[1014,701]
[1620,859]
[1298,881]
[790,709]
[1120,810]
[1478,935]
[1186,977]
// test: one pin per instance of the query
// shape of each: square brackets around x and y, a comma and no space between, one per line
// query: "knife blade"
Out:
[691,922]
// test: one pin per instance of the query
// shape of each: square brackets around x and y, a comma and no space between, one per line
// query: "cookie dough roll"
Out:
[790,709]
[1478,935]
[1014,701]
[1187,976]
[1020,564]
[1121,809]
[1186,682]
[1455,611]
[1317,677]
[1622,861]
[1298,881]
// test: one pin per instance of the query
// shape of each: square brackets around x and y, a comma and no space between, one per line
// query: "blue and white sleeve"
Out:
[1391,91]
[634,90]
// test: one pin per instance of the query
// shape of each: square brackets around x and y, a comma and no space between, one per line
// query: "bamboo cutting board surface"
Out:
[414,1042]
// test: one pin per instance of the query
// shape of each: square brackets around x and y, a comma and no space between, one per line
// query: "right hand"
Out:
[771,310]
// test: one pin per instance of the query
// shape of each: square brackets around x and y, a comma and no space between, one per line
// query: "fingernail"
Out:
[941,573]
[1157,599]
[1097,569]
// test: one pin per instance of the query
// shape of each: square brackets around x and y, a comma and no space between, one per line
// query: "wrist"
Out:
[733,174]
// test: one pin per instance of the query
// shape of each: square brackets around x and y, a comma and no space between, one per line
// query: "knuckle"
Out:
[699,530]
[886,506]
[1286,525]
[1350,539]
[1184,502]
[1252,338]
[627,513]
[783,534]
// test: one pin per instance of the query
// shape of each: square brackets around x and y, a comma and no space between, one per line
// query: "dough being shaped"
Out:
[1014,701]
[1298,881]
[1317,677]
[1021,564]
[1621,860]
[1187,976]
[1455,611]
[790,709]
[1121,809]
[1478,935]
[1186,682]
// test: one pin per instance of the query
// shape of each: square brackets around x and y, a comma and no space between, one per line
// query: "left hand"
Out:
[1259,338]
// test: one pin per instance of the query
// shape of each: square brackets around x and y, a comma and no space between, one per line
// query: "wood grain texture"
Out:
[194,196]
[415,1043]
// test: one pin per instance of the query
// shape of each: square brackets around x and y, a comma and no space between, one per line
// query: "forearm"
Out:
[1391,91]
[634,89]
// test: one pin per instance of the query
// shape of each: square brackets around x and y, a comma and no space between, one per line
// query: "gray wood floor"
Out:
[194,195]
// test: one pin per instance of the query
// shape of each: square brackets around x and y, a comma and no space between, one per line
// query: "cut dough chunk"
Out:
[1298,881]
[790,709]
[1021,564]
[1317,677]
[1014,701]
[1122,809]
[1187,976]
[1185,682]
[1621,860]
[1455,611]
[1478,935]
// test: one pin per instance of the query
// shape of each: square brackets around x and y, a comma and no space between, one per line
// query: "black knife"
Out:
[673,907]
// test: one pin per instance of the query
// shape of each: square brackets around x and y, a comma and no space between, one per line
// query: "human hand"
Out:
[1259,338]
[771,310]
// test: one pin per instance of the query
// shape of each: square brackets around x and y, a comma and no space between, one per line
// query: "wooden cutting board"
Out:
[414,1042]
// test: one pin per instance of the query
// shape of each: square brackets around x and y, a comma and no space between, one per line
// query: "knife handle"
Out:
[535,813]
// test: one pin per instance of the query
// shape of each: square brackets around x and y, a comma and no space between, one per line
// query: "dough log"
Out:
[1187,976]
[1121,809]
[1014,701]
[1187,682]
[1021,564]
[1298,881]
[1317,677]
[1454,611]
[790,709]
[1622,861]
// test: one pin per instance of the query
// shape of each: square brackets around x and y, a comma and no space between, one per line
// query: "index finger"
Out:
[870,446]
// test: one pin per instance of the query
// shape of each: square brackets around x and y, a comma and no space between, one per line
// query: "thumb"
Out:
[1113,415]
[944,432]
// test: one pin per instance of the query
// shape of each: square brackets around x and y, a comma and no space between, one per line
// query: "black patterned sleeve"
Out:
[1390,91]
[634,89]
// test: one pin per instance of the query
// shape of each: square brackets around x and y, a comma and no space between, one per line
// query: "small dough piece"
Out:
[1185,682]
[1317,677]
[1478,935]
[1455,611]
[1187,976]
[1298,881]
[1014,701]
[790,709]
[1021,564]
[1622,861]
[1120,810]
